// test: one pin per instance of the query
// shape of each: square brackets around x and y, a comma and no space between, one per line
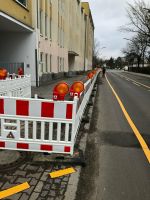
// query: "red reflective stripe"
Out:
[2,144]
[45,147]
[47,109]
[22,146]
[22,107]
[67,149]
[69,111]
[1,106]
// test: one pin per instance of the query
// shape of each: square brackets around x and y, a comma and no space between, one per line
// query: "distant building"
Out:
[45,37]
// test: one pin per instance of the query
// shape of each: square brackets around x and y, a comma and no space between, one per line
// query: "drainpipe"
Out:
[36,50]
[85,42]
[36,68]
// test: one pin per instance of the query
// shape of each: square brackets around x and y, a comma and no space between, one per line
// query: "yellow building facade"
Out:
[19,10]
[46,37]
[89,36]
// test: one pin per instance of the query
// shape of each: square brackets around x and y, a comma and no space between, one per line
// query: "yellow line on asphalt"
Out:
[137,82]
[62,172]
[14,190]
[132,125]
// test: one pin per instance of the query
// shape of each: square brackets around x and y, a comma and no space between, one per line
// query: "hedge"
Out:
[143,70]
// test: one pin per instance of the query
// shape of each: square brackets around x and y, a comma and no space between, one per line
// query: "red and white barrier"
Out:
[35,147]
[36,108]
[42,125]
[16,86]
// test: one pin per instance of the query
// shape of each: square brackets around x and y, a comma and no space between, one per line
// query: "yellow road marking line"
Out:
[132,125]
[14,190]
[62,172]
[137,82]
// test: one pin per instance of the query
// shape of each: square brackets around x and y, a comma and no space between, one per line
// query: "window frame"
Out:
[25,6]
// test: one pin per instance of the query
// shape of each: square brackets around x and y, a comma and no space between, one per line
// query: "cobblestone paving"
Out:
[41,185]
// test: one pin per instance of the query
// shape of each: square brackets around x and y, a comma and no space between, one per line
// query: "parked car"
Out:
[126,68]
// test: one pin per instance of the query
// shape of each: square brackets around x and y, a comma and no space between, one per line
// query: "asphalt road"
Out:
[117,168]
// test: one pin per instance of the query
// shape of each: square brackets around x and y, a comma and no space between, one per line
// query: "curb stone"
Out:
[74,178]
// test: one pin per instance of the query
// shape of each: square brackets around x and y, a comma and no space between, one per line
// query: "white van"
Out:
[126,68]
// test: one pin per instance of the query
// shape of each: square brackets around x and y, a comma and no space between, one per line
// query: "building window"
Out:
[41,61]
[41,21]
[50,25]
[22,2]
[63,64]
[50,62]
[46,62]
[58,63]
[46,25]
[58,29]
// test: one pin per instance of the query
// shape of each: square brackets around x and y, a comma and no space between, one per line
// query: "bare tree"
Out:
[139,23]
[136,48]
[139,19]
[96,53]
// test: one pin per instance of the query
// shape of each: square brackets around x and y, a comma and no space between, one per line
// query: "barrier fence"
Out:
[16,86]
[30,124]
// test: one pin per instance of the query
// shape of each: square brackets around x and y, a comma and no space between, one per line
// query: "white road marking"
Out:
[136,84]
[141,84]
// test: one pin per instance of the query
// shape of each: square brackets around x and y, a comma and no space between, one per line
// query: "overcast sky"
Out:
[108,16]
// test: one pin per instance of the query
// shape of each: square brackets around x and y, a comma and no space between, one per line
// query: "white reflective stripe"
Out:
[60,110]
[50,131]
[34,130]
[11,145]
[35,146]
[58,132]
[58,148]
[17,136]
[35,108]
[26,130]
[10,106]
[67,132]
[42,130]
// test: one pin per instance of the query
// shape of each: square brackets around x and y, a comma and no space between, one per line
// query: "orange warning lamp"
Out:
[60,91]
[3,73]
[90,75]
[94,72]
[20,71]
[77,88]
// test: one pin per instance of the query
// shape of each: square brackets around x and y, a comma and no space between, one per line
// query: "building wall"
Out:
[18,48]
[89,35]
[17,11]
[52,37]
[76,33]
[59,27]
[67,19]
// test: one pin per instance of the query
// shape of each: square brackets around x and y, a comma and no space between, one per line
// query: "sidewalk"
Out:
[46,91]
